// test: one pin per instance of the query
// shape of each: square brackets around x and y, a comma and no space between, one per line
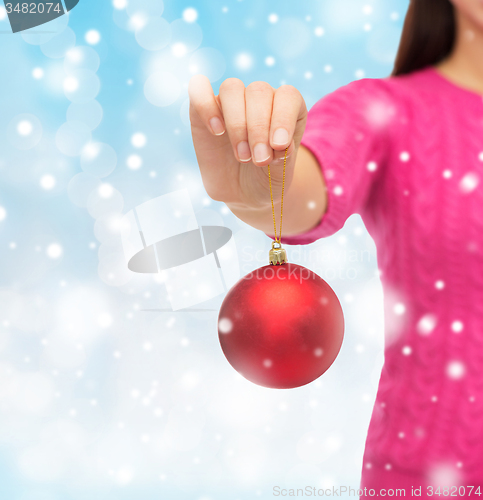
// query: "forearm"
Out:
[304,204]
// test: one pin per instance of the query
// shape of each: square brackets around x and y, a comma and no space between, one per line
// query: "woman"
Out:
[406,153]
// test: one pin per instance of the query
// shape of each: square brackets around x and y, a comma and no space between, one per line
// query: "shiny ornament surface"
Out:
[281,326]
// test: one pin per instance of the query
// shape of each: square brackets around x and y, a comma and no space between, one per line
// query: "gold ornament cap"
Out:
[277,255]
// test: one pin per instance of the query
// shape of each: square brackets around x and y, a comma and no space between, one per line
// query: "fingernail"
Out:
[261,152]
[280,136]
[217,126]
[243,150]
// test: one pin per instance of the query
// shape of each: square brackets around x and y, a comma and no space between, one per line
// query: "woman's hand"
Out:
[237,133]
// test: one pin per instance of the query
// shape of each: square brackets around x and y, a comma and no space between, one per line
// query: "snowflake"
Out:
[426,324]
[439,284]
[273,18]
[269,60]
[455,370]
[444,475]
[407,350]
[225,325]
[469,182]
[404,156]
[457,326]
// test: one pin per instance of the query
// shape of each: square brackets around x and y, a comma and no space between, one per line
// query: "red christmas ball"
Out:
[281,326]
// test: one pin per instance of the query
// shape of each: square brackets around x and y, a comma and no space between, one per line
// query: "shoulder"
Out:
[396,88]
[379,102]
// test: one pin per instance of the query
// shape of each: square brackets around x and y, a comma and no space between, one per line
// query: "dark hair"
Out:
[428,35]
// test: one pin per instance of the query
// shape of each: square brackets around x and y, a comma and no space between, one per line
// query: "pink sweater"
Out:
[406,154]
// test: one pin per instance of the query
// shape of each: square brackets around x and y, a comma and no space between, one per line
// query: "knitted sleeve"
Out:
[347,131]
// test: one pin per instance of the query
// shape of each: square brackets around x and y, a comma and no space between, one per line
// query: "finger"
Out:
[288,107]
[279,156]
[203,101]
[259,99]
[232,99]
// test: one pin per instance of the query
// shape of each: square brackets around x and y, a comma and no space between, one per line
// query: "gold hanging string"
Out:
[279,240]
